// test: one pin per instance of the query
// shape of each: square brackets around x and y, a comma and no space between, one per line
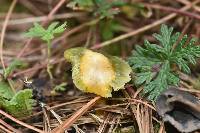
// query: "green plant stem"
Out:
[48,59]
[11,85]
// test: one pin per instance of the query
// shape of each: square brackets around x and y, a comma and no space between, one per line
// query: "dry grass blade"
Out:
[9,127]
[103,125]
[186,2]
[144,119]
[162,128]
[4,130]
[169,9]
[46,120]
[43,18]
[66,124]
[20,122]
[4,30]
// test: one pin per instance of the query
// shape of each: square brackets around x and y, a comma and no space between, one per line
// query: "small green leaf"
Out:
[173,79]
[48,34]
[60,87]
[159,84]
[21,104]
[5,90]
[47,37]
[14,65]
[36,31]
[52,26]
[181,43]
[60,28]
[143,77]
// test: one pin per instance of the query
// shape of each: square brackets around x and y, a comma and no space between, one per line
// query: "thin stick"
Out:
[9,126]
[20,122]
[144,28]
[145,103]
[55,9]
[56,116]
[67,123]
[74,30]
[186,2]
[37,67]
[183,2]
[4,31]
[46,120]
[43,18]
[31,7]
[162,128]
[4,129]
[169,9]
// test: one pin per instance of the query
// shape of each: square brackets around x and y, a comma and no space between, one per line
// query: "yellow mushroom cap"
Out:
[96,73]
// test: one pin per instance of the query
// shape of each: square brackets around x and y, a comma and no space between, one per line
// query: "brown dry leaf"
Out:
[180,108]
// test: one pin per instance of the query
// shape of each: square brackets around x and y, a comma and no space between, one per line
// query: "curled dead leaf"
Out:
[179,108]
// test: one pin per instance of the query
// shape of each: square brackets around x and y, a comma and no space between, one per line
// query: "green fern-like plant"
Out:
[153,64]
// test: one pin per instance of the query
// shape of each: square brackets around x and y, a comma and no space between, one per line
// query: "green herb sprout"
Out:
[46,35]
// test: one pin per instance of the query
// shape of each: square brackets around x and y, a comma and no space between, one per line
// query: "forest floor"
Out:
[111,27]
